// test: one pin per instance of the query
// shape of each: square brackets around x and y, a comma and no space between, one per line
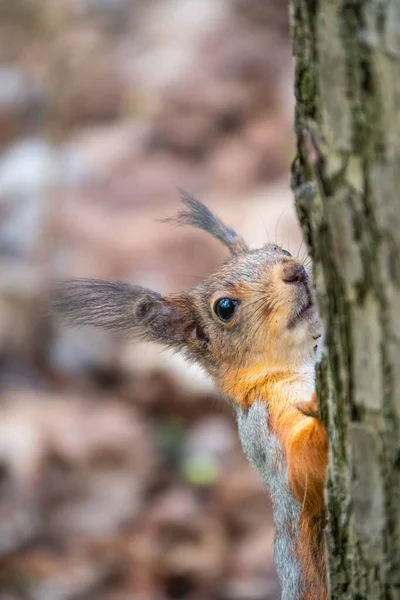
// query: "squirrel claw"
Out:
[309,408]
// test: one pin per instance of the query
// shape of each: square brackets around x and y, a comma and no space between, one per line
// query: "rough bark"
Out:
[346,179]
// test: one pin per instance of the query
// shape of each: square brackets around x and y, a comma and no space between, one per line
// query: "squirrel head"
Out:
[255,311]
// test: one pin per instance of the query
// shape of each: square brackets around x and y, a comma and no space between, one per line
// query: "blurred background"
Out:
[121,474]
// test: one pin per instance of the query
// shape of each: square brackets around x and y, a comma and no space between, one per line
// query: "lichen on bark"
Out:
[346,178]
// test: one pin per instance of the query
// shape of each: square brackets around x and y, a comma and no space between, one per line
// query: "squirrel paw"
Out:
[309,408]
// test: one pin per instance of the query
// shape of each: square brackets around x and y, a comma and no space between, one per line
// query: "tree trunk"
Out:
[346,179]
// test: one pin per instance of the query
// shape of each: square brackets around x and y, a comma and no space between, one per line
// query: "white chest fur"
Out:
[264,452]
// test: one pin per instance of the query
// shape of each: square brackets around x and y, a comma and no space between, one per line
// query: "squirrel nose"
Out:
[294,273]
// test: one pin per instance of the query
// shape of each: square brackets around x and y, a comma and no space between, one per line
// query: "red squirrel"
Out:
[253,326]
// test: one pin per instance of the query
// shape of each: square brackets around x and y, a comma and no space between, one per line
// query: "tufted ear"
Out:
[122,307]
[197,214]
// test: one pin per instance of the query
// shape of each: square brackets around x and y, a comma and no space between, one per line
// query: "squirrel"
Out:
[254,327]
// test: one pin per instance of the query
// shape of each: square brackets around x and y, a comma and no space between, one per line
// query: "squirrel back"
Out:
[253,326]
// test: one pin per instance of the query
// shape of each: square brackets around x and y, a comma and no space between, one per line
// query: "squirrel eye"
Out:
[286,252]
[225,308]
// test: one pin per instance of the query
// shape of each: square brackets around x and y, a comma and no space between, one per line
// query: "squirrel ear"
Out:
[170,320]
[122,307]
[197,214]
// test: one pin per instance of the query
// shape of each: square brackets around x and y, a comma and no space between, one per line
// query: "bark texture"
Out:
[346,179]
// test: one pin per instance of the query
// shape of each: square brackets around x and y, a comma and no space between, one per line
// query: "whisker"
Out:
[277,227]
[255,301]
[258,290]
[255,304]
[266,232]
[254,317]
[287,246]
[258,328]
[299,250]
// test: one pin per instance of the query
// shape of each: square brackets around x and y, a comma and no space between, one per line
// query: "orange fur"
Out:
[307,454]
[305,447]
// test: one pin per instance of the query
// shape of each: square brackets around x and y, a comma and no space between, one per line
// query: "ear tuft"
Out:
[197,214]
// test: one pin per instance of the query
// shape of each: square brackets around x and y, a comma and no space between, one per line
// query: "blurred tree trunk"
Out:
[346,179]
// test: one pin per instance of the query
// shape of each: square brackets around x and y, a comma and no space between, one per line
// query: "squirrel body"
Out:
[254,328]
[298,545]
[287,444]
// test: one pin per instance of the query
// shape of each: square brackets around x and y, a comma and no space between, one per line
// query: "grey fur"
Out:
[112,305]
[264,452]
[197,214]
